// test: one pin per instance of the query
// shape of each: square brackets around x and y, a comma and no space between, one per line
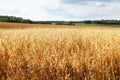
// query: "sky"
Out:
[65,10]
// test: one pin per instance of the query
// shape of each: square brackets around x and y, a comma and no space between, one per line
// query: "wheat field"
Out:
[66,53]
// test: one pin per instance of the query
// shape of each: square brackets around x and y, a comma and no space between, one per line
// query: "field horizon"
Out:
[13,25]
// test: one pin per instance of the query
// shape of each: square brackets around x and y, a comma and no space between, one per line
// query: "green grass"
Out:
[83,24]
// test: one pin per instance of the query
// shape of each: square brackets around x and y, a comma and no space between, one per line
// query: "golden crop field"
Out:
[45,52]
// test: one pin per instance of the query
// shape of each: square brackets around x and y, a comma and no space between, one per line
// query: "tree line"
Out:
[14,19]
[102,22]
[21,20]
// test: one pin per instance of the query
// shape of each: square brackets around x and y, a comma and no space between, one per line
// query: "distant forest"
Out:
[21,20]
[14,19]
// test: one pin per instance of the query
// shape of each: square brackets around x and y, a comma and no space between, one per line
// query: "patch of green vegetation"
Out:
[83,24]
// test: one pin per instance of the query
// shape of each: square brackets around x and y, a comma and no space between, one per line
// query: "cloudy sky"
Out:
[61,9]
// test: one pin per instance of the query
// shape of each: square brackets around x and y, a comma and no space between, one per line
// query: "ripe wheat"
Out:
[60,54]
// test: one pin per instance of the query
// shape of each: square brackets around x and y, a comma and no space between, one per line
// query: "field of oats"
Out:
[52,52]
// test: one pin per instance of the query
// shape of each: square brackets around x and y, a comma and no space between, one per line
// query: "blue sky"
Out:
[61,9]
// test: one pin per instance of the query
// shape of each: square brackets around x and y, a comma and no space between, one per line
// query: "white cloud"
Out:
[55,10]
